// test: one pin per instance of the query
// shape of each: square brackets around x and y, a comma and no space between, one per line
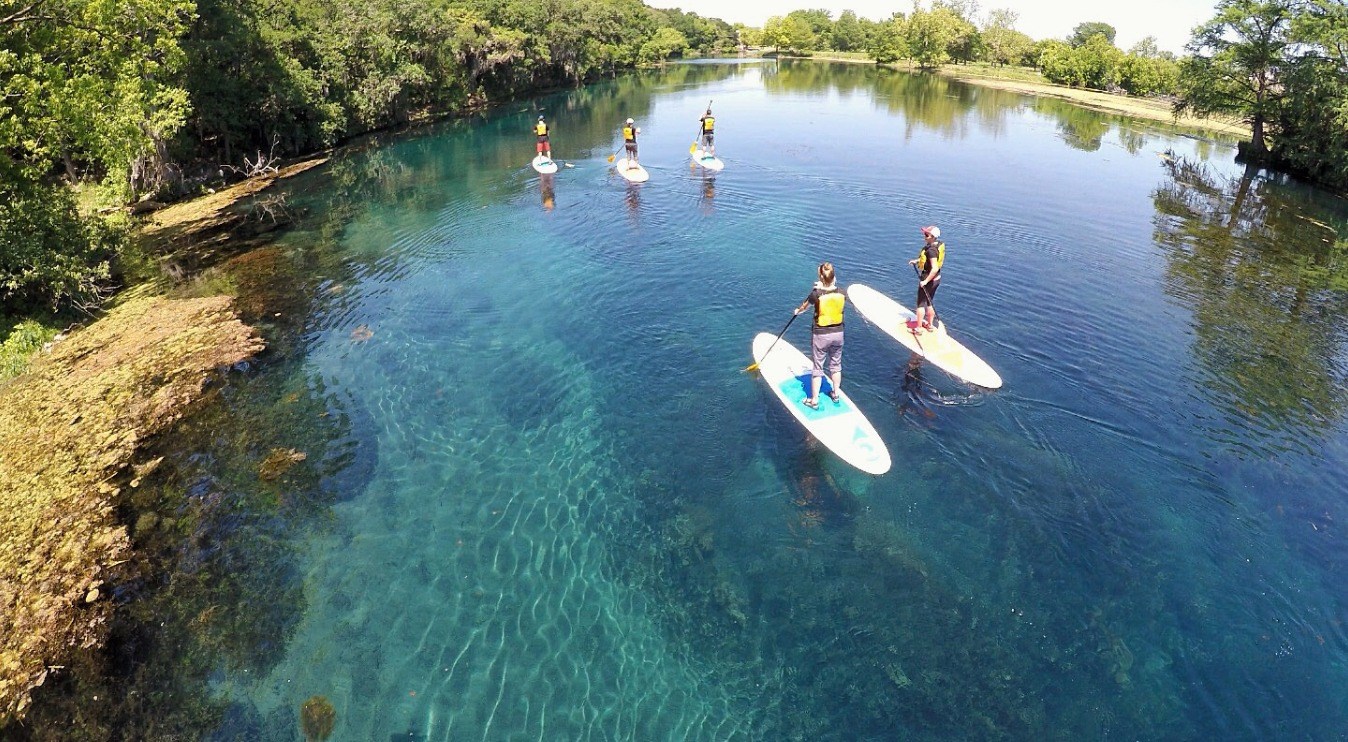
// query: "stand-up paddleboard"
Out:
[708,160]
[838,425]
[633,172]
[938,347]
[545,164]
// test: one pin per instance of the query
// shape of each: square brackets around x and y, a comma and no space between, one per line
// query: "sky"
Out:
[1170,21]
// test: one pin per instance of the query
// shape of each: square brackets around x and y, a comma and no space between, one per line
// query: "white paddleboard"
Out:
[708,160]
[544,164]
[938,347]
[838,425]
[634,173]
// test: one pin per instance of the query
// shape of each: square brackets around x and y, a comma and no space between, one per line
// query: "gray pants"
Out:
[827,352]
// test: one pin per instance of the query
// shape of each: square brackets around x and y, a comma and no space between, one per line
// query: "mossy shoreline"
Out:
[70,428]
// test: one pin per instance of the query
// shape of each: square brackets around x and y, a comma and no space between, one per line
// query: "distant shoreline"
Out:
[1150,109]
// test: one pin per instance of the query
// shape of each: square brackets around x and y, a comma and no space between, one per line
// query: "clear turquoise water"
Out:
[575,517]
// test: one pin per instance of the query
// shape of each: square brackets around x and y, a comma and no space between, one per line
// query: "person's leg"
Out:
[819,355]
[835,366]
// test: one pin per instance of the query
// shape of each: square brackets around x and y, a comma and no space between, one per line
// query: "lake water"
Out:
[542,500]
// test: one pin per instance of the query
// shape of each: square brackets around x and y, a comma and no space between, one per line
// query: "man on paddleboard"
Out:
[708,125]
[928,263]
[630,132]
[826,336]
[541,129]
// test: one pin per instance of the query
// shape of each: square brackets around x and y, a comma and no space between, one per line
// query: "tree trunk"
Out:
[1258,148]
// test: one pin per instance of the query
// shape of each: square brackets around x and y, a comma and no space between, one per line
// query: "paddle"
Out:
[754,366]
[614,156]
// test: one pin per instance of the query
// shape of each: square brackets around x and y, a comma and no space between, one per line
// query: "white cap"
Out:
[933,230]
[630,121]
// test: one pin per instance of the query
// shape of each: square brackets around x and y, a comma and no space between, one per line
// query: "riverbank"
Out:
[1020,80]
[69,431]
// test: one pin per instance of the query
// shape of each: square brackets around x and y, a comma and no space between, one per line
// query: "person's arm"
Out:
[804,304]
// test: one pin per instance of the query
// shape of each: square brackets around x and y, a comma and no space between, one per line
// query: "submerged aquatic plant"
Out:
[317,718]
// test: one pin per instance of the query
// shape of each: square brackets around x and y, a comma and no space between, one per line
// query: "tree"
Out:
[1001,42]
[664,44]
[1146,48]
[1234,66]
[930,34]
[848,34]
[1084,31]
[790,33]
[820,23]
[889,41]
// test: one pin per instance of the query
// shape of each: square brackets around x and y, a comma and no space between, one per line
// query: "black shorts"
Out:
[708,136]
[925,294]
[631,148]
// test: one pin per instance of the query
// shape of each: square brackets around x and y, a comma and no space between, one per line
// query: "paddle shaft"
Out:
[774,342]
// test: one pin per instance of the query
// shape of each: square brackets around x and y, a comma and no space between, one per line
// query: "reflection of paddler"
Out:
[546,185]
[633,197]
[541,130]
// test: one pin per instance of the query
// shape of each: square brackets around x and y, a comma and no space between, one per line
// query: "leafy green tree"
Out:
[889,41]
[748,35]
[929,34]
[1144,76]
[1004,45]
[848,34]
[1146,48]
[664,44]
[52,257]
[788,33]
[1233,70]
[820,23]
[1084,31]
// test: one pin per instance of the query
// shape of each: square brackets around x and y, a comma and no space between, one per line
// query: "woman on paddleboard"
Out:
[541,130]
[826,336]
[630,132]
[928,263]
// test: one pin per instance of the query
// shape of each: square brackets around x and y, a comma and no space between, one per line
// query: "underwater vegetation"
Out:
[317,718]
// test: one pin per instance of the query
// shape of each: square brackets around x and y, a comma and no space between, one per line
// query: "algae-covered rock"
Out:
[68,429]
[317,718]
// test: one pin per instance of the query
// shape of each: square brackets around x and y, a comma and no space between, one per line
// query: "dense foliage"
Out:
[1281,66]
[149,95]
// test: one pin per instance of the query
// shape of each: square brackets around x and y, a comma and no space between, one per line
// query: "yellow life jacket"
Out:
[828,312]
[708,123]
[922,258]
[541,129]
[629,134]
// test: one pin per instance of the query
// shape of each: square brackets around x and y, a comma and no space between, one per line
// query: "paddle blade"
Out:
[751,367]
[692,148]
[612,156]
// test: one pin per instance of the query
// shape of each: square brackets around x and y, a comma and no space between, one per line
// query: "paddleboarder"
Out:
[541,129]
[928,263]
[630,132]
[826,335]
[708,128]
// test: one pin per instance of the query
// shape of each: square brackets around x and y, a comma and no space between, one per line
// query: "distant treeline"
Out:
[1279,65]
[141,96]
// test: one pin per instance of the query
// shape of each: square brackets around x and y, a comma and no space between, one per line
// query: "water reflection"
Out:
[548,188]
[1261,266]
